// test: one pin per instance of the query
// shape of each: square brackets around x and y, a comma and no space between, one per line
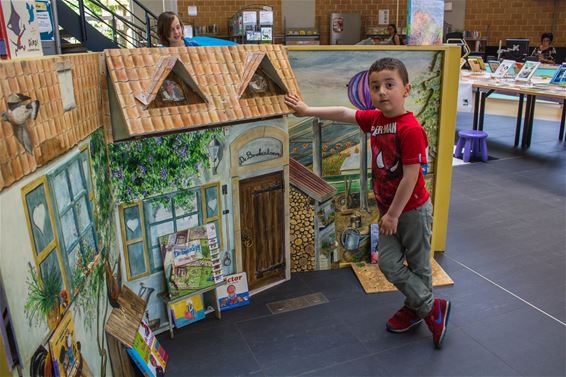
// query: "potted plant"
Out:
[43,297]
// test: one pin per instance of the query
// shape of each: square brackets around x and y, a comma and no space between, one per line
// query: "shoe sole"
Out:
[402,330]
[446,317]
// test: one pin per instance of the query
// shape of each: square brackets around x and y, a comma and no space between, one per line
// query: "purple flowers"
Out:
[142,169]
[118,174]
[163,173]
[184,152]
[158,140]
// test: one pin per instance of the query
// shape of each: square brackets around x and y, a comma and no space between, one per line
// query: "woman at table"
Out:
[546,53]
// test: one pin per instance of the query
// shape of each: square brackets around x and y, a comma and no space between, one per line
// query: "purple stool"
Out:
[473,143]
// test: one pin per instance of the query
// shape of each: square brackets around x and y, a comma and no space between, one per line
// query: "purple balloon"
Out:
[358,91]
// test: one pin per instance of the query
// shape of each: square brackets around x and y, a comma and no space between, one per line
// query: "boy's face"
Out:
[388,92]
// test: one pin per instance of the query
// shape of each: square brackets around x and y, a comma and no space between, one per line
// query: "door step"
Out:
[297,303]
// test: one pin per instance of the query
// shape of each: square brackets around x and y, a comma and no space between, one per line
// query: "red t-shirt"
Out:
[394,142]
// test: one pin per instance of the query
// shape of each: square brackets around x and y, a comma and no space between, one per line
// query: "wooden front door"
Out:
[262,222]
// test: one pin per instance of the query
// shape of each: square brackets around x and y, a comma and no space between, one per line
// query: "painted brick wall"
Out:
[516,18]
[218,12]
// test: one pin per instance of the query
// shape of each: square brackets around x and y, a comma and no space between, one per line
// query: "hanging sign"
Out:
[259,150]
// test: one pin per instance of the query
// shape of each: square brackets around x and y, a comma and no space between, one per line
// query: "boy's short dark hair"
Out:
[546,35]
[390,64]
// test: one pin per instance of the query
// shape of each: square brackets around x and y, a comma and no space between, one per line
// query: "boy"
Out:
[398,144]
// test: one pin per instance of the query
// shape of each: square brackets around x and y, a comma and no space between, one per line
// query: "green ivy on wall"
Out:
[159,165]
[103,190]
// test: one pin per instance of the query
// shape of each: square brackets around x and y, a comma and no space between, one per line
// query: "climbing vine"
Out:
[158,165]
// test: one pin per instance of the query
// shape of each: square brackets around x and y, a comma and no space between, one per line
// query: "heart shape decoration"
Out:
[38,216]
[133,224]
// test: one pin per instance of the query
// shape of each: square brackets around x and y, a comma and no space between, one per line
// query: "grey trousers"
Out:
[411,243]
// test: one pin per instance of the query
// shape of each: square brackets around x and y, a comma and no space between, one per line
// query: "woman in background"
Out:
[546,53]
[393,38]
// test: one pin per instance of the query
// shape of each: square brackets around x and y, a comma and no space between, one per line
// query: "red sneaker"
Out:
[437,320]
[404,320]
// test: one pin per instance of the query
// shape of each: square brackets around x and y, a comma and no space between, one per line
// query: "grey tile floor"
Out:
[506,250]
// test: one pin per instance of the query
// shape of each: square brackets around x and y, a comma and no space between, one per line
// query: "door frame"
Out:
[238,173]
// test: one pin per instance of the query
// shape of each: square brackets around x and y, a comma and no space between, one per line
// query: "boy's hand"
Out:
[295,103]
[388,225]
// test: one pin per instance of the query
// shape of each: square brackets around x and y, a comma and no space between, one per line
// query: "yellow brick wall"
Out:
[499,20]
[495,19]
[369,10]
[219,12]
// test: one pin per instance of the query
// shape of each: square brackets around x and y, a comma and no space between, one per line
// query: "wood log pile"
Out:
[302,231]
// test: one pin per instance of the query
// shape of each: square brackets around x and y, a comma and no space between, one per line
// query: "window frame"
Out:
[142,238]
[218,217]
[198,191]
[53,246]
[87,193]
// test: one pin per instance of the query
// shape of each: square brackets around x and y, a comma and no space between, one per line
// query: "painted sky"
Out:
[323,75]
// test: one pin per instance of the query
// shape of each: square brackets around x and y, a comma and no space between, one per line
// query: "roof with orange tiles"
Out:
[54,131]
[309,183]
[219,74]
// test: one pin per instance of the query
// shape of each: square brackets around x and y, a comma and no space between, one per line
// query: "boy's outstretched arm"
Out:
[336,113]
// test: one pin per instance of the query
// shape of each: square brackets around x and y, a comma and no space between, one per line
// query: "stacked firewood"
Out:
[302,231]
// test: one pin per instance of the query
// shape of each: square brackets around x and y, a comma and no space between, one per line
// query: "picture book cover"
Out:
[527,71]
[63,349]
[234,293]
[425,20]
[503,68]
[191,260]
[477,60]
[187,311]
[493,65]
[559,77]
[147,353]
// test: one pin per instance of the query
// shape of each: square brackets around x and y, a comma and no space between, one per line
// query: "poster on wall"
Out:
[425,21]
[21,28]
[191,259]
[64,351]
[234,293]
[149,356]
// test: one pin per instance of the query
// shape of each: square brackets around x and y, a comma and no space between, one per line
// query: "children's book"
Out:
[493,65]
[503,68]
[189,260]
[63,349]
[187,311]
[476,61]
[147,353]
[559,77]
[527,71]
[234,293]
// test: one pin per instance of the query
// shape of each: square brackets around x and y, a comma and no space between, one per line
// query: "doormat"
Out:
[373,281]
[296,303]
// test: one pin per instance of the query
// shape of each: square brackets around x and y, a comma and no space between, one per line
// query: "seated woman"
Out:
[171,33]
[170,30]
[546,53]
[393,38]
